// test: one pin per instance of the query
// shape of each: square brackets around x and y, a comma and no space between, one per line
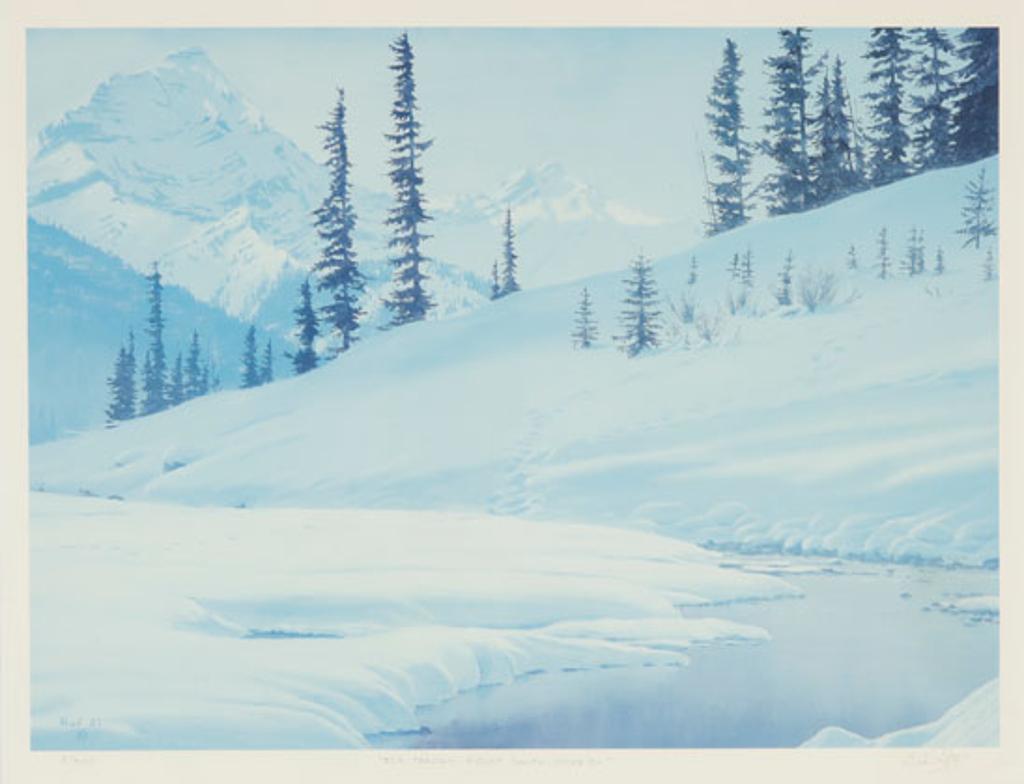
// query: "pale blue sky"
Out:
[621,108]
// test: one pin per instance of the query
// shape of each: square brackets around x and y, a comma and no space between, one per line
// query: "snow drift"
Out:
[972,722]
[287,628]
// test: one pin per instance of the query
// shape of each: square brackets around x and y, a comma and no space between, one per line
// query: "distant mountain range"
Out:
[174,165]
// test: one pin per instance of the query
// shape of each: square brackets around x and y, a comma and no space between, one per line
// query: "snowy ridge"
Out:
[344,633]
[867,429]
[970,723]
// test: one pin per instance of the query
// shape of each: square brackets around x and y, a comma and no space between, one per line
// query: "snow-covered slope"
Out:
[868,428]
[288,628]
[972,722]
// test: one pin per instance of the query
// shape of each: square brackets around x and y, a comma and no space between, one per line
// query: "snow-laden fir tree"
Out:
[976,107]
[851,258]
[910,259]
[147,372]
[852,162]
[784,292]
[787,143]
[641,321]
[728,191]
[978,213]
[337,270]
[931,117]
[585,331]
[408,301]
[940,262]
[176,385]
[131,391]
[883,253]
[306,331]
[692,278]
[889,56]
[747,271]
[827,162]
[250,361]
[495,281]
[122,389]
[989,267]
[509,284]
[267,363]
[193,369]
[735,269]
[154,380]
[919,260]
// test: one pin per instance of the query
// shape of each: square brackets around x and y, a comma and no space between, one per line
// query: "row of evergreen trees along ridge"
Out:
[926,112]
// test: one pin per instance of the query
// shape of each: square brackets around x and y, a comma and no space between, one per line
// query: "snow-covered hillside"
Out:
[970,723]
[868,428]
[228,639]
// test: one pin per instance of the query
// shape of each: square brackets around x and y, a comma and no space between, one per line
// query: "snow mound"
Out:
[285,628]
[970,723]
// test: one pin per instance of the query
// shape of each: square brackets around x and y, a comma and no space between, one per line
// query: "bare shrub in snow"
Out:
[708,327]
[818,289]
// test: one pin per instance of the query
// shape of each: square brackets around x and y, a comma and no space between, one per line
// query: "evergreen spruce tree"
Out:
[130,389]
[250,362]
[735,269]
[585,332]
[728,197]
[789,187]
[931,116]
[883,253]
[176,385]
[888,53]
[154,381]
[193,369]
[845,137]
[122,392]
[509,284]
[337,270]
[827,161]
[692,279]
[147,374]
[408,301]
[784,293]
[307,330]
[976,106]
[495,281]
[267,364]
[919,253]
[640,319]
[989,267]
[978,214]
[910,259]
[940,262]
[851,258]
[747,272]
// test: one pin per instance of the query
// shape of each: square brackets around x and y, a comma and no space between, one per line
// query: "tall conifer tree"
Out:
[408,301]
[337,270]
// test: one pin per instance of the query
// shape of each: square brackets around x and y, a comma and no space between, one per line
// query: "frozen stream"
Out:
[861,651]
